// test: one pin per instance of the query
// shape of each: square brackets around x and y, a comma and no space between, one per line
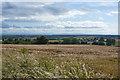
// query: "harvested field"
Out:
[59,61]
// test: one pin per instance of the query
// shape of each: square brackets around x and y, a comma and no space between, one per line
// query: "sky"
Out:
[59,18]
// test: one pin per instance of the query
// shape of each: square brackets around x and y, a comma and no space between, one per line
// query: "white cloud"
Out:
[20,18]
[112,13]
[0,18]
[72,28]
[108,4]
[101,18]
[11,28]
[60,1]
[91,10]
[38,5]
[48,31]
[50,17]
[4,18]
[78,24]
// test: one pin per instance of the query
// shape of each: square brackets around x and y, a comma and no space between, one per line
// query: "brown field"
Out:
[94,61]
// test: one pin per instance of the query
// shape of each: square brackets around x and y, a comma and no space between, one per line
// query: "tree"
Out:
[108,42]
[41,40]
[101,39]
[27,40]
[113,41]
[75,41]
[95,39]
[8,41]
[67,41]
[83,42]
[101,43]
[95,43]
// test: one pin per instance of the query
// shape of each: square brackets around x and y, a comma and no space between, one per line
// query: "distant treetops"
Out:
[44,40]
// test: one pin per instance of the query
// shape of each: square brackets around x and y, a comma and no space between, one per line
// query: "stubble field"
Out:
[59,61]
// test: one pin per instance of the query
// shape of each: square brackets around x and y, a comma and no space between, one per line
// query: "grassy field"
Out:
[59,61]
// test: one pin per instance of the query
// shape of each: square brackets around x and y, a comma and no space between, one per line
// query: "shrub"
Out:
[24,50]
[75,41]
[83,42]
[53,43]
[109,42]
[95,43]
[67,41]
[101,43]
[42,40]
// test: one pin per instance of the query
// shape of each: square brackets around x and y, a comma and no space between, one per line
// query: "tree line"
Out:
[43,40]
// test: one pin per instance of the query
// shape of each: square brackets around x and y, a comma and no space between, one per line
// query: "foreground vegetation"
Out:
[66,61]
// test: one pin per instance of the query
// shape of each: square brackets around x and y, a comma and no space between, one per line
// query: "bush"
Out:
[113,41]
[101,39]
[83,42]
[95,43]
[24,50]
[109,42]
[41,40]
[101,43]
[75,41]
[53,43]
[67,41]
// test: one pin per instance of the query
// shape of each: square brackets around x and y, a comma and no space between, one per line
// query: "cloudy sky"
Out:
[49,18]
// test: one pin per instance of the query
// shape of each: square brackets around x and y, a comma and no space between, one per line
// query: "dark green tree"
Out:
[75,41]
[67,41]
[113,41]
[109,42]
[9,39]
[95,43]
[101,39]
[101,43]
[41,40]
[83,42]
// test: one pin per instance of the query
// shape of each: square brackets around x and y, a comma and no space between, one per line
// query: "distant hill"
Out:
[58,36]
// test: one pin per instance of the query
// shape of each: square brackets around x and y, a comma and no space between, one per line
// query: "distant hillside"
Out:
[59,36]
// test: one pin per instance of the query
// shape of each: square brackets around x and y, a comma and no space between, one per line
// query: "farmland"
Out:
[59,61]
[106,40]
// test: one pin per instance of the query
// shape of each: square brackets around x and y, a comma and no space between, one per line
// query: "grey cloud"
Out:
[39,27]
[81,27]
[24,9]
[56,10]
[19,20]
[5,25]
[90,10]
[7,5]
